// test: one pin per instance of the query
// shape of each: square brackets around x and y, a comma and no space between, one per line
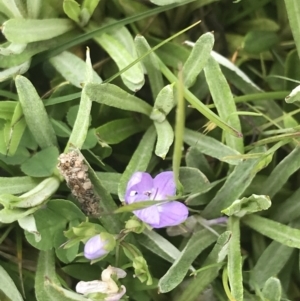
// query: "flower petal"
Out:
[94,247]
[164,185]
[140,184]
[171,214]
[116,296]
[149,215]
[88,287]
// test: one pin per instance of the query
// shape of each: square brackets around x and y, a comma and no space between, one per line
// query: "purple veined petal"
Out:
[172,214]
[149,215]
[140,183]
[164,185]
[94,248]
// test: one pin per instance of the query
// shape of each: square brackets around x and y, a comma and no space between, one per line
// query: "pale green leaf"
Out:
[114,96]
[165,137]
[197,59]
[35,114]
[248,205]
[8,287]
[30,30]
[284,234]
[224,102]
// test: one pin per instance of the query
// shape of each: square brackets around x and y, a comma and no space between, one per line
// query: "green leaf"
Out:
[42,164]
[293,12]
[29,30]
[196,159]
[114,96]
[211,147]
[151,64]
[90,6]
[16,185]
[33,197]
[14,9]
[198,242]
[34,8]
[258,41]
[198,105]
[204,277]
[81,125]
[15,131]
[192,179]
[248,205]
[288,210]
[107,203]
[281,173]
[15,70]
[28,224]
[139,160]
[7,109]
[157,244]
[165,137]
[8,287]
[47,286]
[122,129]
[164,103]
[133,78]
[284,234]
[72,9]
[236,183]
[35,114]
[234,264]
[110,181]
[223,99]
[272,289]
[8,216]
[294,95]
[71,67]
[268,264]
[51,220]
[197,59]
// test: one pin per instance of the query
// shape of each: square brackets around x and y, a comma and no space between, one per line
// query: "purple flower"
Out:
[141,187]
[95,247]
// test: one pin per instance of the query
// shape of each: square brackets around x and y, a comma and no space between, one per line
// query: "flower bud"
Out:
[99,245]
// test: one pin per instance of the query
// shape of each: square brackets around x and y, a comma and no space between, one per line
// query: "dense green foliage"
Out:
[120,86]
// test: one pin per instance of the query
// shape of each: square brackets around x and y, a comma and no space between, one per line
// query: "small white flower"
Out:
[107,286]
